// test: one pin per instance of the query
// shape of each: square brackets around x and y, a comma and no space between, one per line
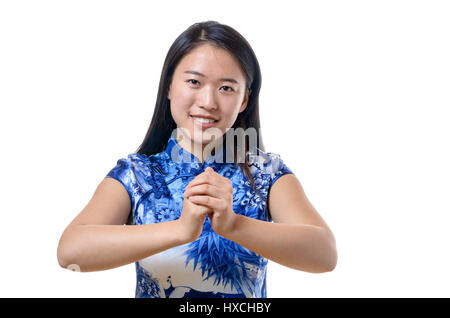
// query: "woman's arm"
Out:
[92,247]
[303,247]
[299,238]
[97,239]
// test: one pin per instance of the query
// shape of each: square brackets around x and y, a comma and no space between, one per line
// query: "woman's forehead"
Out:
[210,62]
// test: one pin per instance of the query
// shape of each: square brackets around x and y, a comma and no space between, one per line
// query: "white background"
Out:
[363,86]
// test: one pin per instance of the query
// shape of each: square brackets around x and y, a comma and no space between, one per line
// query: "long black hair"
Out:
[224,37]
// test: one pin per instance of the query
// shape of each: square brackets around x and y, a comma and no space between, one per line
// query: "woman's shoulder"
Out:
[136,169]
[267,162]
[262,159]
[142,159]
[138,164]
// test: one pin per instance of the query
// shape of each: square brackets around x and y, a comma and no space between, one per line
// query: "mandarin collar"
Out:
[178,154]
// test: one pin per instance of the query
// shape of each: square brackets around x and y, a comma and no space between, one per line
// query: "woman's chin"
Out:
[203,140]
[206,136]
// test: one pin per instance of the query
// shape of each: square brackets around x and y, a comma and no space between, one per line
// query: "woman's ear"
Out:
[168,91]
[245,101]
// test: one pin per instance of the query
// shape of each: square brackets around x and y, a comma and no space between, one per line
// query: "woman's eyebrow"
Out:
[232,80]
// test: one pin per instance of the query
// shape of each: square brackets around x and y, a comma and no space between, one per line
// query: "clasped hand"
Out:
[215,192]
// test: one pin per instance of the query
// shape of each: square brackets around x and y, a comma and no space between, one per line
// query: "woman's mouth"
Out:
[204,122]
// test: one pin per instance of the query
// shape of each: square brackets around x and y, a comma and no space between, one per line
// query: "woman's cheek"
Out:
[180,105]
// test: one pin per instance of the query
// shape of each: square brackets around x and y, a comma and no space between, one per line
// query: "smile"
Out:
[203,122]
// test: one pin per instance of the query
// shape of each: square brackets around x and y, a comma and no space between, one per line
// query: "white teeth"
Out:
[203,120]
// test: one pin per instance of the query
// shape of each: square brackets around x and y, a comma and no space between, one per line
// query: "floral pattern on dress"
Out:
[211,266]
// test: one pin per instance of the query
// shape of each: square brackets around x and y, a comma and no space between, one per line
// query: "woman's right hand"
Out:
[191,220]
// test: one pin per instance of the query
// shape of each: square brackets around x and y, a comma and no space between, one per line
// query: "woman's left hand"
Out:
[212,190]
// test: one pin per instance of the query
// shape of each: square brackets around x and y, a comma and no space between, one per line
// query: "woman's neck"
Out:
[200,150]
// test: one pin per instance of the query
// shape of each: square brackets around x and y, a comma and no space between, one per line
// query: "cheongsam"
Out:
[210,266]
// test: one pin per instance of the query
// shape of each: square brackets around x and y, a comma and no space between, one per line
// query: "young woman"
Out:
[196,223]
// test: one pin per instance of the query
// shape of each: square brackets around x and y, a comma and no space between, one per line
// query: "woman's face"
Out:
[207,82]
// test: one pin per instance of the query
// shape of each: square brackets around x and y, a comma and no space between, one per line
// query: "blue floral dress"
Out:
[211,266]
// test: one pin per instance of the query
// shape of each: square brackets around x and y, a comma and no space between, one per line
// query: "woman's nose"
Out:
[207,99]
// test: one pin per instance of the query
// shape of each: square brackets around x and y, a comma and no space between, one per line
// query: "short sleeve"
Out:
[277,168]
[123,173]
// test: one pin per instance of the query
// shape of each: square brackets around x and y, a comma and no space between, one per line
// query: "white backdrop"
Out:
[365,84]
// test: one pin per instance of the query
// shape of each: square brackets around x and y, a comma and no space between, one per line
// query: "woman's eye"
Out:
[189,81]
[229,88]
[195,82]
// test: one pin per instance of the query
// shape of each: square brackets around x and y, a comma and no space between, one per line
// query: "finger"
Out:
[214,179]
[205,209]
[224,192]
[207,201]
[210,190]
[198,178]
[205,188]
